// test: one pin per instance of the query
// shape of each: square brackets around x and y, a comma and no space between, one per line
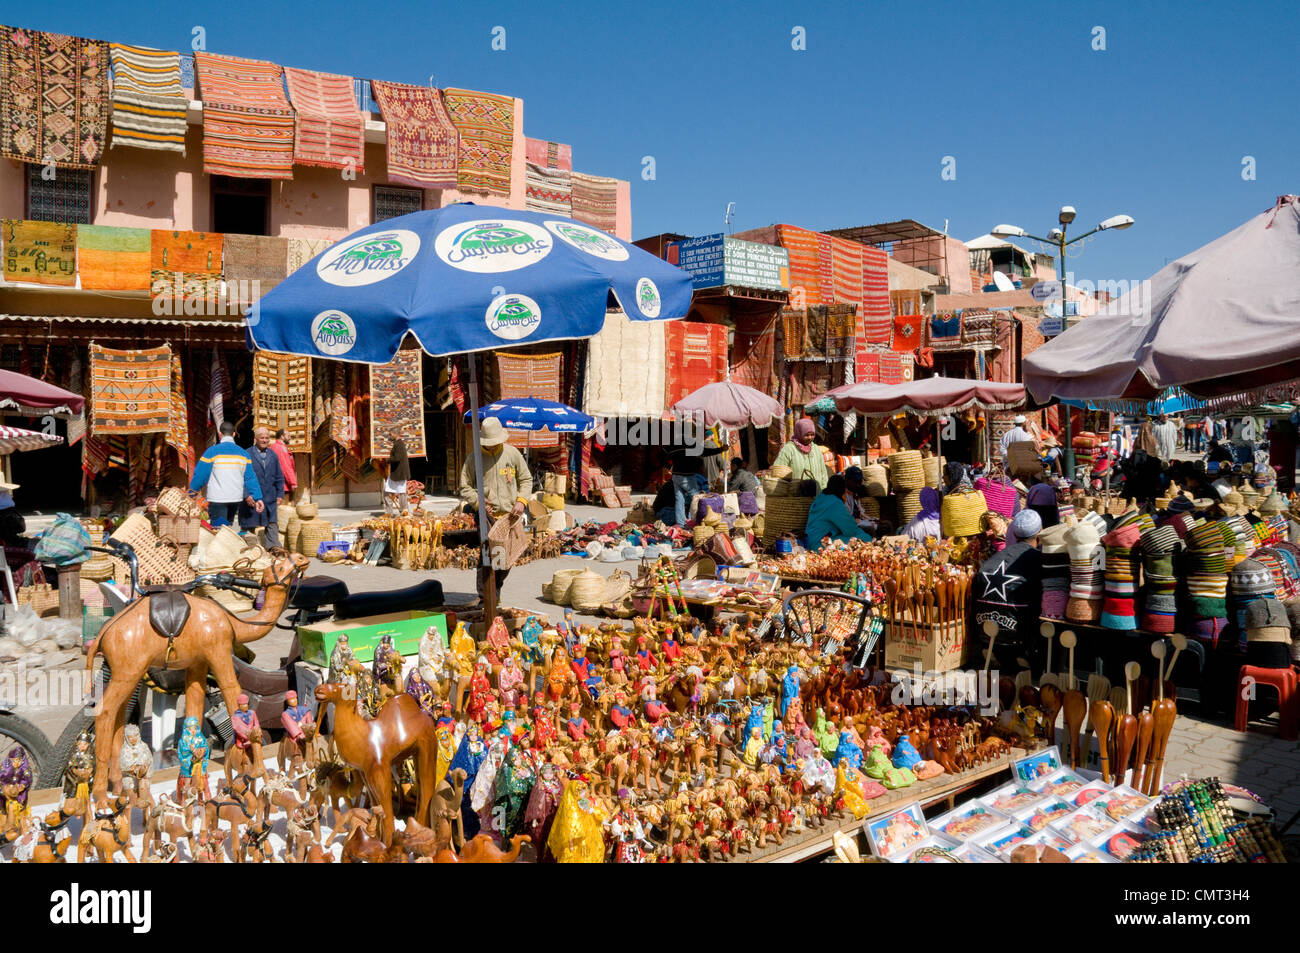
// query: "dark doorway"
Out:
[241,206]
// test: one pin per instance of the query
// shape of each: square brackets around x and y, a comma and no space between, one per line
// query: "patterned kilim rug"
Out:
[423,145]
[343,427]
[282,397]
[548,190]
[263,259]
[130,391]
[909,332]
[530,375]
[43,253]
[875,313]
[794,333]
[805,276]
[595,201]
[178,425]
[486,124]
[841,326]
[329,130]
[695,355]
[149,105]
[303,250]
[113,259]
[195,256]
[549,155]
[397,404]
[53,98]
[247,121]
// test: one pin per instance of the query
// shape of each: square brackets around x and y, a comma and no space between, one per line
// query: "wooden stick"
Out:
[1146,728]
[1158,650]
[1048,631]
[1166,712]
[991,630]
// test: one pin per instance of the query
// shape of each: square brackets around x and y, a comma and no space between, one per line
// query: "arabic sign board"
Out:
[717,260]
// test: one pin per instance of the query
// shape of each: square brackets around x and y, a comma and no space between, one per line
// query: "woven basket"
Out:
[556,483]
[234,601]
[784,514]
[781,472]
[930,466]
[704,568]
[909,504]
[781,487]
[701,534]
[561,583]
[959,514]
[758,523]
[42,597]
[548,592]
[314,532]
[283,515]
[618,586]
[553,501]
[292,534]
[307,511]
[1023,459]
[587,591]
[769,483]
[870,506]
[98,568]
[906,471]
[999,497]
[876,479]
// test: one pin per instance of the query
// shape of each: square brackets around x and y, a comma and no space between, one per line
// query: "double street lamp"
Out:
[1057,237]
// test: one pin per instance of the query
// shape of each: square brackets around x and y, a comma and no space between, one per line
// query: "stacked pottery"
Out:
[1119,608]
[1056,571]
[1087,572]
[1249,581]
[1206,574]
[1159,584]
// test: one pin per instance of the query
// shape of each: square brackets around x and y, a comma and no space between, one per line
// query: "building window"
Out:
[241,206]
[66,197]
[392,201]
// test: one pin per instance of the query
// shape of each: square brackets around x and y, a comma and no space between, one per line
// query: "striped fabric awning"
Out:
[14,439]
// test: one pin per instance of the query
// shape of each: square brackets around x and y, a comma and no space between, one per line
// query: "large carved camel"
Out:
[199,636]
[400,730]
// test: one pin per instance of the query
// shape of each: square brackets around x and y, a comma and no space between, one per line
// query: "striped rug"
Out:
[549,155]
[247,122]
[397,404]
[130,391]
[423,146]
[42,253]
[113,259]
[530,375]
[486,124]
[876,314]
[330,131]
[595,201]
[548,190]
[282,397]
[178,427]
[149,105]
[53,98]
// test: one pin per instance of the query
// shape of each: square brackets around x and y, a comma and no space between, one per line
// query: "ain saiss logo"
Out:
[333,333]
[590,240]
[647,298]
[370,258]
[513,317]
[487,246]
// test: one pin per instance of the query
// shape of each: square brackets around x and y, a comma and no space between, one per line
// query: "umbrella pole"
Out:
[490,578]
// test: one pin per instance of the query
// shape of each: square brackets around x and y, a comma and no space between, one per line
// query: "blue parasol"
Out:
[534,413]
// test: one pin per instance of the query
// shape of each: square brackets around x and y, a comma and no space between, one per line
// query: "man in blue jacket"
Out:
[225,473]
[270,477]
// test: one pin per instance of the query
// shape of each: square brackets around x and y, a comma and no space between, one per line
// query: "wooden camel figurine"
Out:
[177,630]
[483,850]
[107,833]
[373,747]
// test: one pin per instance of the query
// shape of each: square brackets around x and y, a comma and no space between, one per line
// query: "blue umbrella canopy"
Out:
[534,413]
[462,278]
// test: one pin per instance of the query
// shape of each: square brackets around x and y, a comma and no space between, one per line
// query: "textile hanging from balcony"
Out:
[113,259]
[246,259]
[625,369]
[909,332]
[185,264]
[875,312]
[178,424]
[595,200]
[397,404]
[53,98]
[794,332]
[978,332]
[329,130]
[549,155]
[423,145]
[752,353]
[695,355]
[549,187]
[841,327]
[944,333]
[805,275]
[486,124]
[247,121]
[149,105]
[530,375]
[130,391]
[282,397]
[42,253]
[303,250]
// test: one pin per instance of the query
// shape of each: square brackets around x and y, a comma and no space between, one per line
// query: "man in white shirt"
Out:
[1166,434]
[1016,434]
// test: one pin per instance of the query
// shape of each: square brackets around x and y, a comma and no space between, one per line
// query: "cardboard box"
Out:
[406,628]
[935,648]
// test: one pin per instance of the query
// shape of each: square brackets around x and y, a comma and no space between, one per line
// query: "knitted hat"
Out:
[1052,539]
[1251,578]
[1026,525]
[1267,613]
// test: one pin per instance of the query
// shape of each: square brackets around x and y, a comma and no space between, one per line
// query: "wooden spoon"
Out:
[1076,709]
[1048,631]
[1125,734]
[991,630]
[1069,640]
[1146,728]
[1102,716]
[1051,697]
[1166,711]
[1180,643]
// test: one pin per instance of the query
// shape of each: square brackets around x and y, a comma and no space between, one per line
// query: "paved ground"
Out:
[1257,759]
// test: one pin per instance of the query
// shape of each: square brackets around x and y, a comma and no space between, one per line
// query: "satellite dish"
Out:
[1003,282]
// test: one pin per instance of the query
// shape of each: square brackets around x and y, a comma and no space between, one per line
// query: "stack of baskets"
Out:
[932,466]
[776,482]
[876,480]
[701,533]
[312,533]
[99,567]
[785,514]
[561,582]
[302,513]
[959,514]
[906,472]
[870,506]
[909,505]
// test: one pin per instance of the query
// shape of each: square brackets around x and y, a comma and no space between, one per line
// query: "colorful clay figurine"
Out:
[246,756]
[15,784]
[193,750]
[299,724]
[135,762]
[905,756]
[577,833]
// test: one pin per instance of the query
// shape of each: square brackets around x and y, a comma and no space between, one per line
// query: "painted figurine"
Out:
[386,666]
[577,834]
[341,660]
[81,768]
[248,733]
[193,751]
[424,693]
[136,761]
[15,783]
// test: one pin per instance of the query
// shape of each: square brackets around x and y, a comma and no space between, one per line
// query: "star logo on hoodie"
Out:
[998,580]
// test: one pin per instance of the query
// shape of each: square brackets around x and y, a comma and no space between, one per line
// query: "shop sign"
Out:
[717,260]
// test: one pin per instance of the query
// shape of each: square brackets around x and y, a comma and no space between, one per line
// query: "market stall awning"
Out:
[730,404]
[1222,320]
[927,397]
[15,439]
[27,395]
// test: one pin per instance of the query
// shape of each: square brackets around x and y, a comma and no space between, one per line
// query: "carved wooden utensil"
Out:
[1048,631]
[1102,716]
[1126,730]
[991,630]
[1074,702]
[1165,714]
[1051,696]
[1146,728]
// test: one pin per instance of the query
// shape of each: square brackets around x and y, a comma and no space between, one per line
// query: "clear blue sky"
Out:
[852,130]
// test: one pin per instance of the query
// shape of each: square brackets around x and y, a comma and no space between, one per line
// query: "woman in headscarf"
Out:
[542,804]
[469,758]
[829,516]
[578,832]
[15,783]
[1042,500]
[925,524]
[803,456]
[399,473]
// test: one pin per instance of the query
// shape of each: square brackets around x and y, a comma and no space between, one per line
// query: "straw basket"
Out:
[1023,459]
[292,534]
[548,592]
[98,568]
[876,479]
[704,568]
[909,504]
[784,514]
[906,471]
[930,466]
[700,535]
[870,506]
[561,583]
[42,597]
[959,514]
[781,472]
[314,532]
[307,511]
[232,600]
[775,486]
[587,591]
[556,483]
[283,514]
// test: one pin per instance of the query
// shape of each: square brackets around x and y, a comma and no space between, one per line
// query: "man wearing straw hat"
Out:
[507,482]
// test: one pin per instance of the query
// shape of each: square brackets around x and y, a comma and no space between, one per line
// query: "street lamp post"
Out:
[1057,237]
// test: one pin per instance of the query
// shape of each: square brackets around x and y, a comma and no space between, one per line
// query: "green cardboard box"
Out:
[406,628]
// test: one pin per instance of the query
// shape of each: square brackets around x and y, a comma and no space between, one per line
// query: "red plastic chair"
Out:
[1282,679]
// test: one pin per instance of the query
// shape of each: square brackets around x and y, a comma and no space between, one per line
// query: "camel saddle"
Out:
[169,610]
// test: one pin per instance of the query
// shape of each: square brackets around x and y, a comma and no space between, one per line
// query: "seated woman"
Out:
[829,516]
[925,524]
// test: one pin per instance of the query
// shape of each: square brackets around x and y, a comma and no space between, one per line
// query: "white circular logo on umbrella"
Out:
[333,333]
[513,317]
[647,298]
[590,240]
[492,245]
[370,258]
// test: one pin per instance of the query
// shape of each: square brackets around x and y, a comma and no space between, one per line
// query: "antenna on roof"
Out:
[945,226]
[730,215]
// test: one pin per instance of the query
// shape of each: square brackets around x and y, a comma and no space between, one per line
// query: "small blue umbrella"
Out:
[534,413]
[463,278]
